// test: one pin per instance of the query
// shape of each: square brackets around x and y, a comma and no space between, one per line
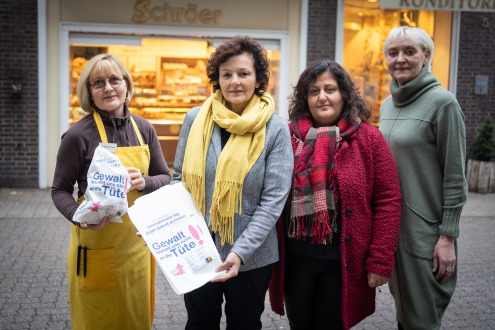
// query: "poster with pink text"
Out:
[177,235]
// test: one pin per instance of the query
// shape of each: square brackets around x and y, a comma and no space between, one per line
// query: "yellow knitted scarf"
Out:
[241,151]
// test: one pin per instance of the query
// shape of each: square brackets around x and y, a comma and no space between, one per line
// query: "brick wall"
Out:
[322,18]
[19,113]
[476,57]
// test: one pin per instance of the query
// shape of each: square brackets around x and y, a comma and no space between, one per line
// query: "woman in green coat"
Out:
[424,127]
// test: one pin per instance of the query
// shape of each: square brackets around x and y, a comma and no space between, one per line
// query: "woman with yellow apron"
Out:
[111,273]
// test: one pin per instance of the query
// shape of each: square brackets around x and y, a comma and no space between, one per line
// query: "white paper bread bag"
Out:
[106,193]
[177,235]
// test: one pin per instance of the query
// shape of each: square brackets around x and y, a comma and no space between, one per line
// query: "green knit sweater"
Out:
[424,127]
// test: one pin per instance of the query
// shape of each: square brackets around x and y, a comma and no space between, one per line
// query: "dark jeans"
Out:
[244,301]
[313,292]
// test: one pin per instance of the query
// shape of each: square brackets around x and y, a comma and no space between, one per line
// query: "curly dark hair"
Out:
[235,46]
[354,105]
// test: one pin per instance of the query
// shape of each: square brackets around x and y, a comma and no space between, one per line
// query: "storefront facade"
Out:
[471,59]
[165,45]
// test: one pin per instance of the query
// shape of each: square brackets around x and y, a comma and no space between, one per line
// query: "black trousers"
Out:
[313,292]
[244,301]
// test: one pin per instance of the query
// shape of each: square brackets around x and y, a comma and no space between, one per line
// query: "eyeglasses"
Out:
[101,83]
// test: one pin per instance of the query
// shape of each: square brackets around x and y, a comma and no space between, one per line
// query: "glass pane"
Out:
[169,77]
[365,29]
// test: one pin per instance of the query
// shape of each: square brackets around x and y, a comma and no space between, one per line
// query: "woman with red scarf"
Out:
[339,230]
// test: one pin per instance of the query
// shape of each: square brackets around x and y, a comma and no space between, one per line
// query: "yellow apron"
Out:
[117,291]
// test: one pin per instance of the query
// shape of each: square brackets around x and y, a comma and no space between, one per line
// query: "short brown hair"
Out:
[235,46]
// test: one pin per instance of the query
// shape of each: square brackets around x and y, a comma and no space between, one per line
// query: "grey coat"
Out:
[264,192]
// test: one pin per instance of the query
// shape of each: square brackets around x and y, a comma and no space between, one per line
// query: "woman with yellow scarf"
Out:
[234,156]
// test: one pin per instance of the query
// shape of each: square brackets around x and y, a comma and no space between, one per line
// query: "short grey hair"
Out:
[418,35]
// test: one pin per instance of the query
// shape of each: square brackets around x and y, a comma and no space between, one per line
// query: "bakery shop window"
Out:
[365,29]
[169,76]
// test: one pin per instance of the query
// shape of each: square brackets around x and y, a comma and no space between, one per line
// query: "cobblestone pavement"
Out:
[34,241]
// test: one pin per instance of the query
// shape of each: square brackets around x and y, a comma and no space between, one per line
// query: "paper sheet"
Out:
[177,235]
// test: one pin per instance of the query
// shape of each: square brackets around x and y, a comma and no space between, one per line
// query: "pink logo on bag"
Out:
[96,206]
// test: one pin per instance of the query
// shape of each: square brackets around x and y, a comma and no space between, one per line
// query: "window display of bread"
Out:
[166,93]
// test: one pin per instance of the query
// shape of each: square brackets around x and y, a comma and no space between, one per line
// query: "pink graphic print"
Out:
[195,234]
[180,270]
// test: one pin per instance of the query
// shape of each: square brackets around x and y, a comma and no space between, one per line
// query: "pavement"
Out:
[34,293]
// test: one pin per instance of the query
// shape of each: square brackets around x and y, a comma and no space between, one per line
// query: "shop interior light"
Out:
[267,44]
[353,26]
[107,39]
[408,20]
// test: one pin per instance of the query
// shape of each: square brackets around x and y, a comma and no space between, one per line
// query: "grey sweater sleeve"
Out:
[279,164]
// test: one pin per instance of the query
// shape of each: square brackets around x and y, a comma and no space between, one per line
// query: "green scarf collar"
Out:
[413,89]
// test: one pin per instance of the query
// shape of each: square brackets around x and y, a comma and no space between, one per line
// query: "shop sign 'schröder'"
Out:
[165,13]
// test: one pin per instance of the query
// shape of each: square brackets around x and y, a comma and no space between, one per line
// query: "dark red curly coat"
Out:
[369,192]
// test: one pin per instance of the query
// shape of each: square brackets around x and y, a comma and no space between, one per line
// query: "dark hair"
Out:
[354,105]
[236,46]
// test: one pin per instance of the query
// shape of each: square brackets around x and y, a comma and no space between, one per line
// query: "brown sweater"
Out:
[76,152]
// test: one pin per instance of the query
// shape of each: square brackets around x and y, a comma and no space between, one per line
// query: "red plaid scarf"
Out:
[312,207]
